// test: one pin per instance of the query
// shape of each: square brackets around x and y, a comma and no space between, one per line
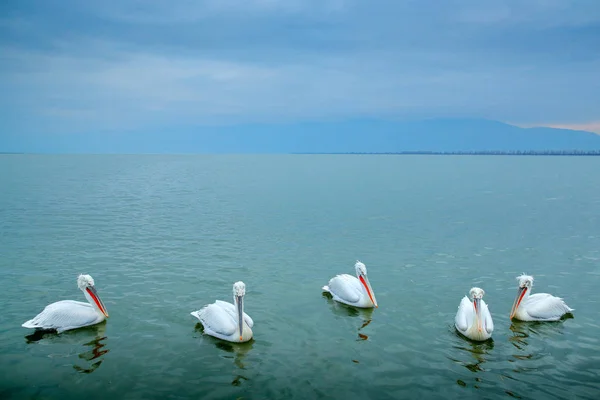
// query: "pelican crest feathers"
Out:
[525,280]
[84,281]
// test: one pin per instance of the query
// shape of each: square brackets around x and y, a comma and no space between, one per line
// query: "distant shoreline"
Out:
[476,153]
[398,153]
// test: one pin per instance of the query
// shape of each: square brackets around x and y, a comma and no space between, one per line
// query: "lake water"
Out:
[164,235]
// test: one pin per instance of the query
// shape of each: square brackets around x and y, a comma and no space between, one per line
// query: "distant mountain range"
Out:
[354,136]
[381,136]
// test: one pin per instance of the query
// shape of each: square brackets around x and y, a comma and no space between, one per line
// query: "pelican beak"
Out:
[520,293]
[94,295]
[477,305]
[365,281]
[240,309]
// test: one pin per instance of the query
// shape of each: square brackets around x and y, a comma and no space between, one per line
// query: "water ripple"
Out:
[164,235]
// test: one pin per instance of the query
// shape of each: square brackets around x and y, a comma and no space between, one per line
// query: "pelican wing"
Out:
[64,315]
[487,317]
[346,287]
[544,306]
[230,308]
[216,319]
[464,315]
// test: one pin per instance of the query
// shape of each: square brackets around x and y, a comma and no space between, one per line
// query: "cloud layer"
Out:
[76,67]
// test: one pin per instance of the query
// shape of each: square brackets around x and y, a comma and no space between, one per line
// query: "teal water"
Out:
[164,235]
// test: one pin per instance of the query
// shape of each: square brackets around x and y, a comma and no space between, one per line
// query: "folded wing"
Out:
[64,315]
[464,315]
[345,287]
[216,319]
[545,307]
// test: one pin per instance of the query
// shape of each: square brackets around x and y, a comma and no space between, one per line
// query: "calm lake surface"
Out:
[164,235]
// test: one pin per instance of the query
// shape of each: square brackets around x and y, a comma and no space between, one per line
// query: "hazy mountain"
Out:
[391,136]
[316,137]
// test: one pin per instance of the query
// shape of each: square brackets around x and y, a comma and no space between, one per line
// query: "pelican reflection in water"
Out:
[237,351]
[523,330]
[343,310]
[93,339]
[477,350]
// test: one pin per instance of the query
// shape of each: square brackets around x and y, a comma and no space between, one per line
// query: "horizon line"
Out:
[572,152]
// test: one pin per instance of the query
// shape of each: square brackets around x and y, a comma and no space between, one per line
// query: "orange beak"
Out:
[240,312]
[520,294]
[367,286]
[477,305]
[94,295]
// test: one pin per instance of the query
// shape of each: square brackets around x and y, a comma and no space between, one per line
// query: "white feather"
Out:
[542,307]
[345,288]
[349,290]
[65,315]
[539,306]
[220,319]
[465,320]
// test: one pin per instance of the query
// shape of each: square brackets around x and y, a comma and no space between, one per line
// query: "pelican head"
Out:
[361,269]
[525,281]
[525,284]
[239,291]
[85,283]
[361,273]
[476,295]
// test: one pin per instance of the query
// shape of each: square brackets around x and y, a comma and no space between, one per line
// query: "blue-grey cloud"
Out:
[72,66]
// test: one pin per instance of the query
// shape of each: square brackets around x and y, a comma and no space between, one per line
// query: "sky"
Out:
[87,67]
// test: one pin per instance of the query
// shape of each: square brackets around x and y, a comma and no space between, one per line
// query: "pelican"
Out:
[353,291]
[473,319]
[536,307]
[224,320]
[65,315]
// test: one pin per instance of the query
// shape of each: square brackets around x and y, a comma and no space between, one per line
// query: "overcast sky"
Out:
[71,66]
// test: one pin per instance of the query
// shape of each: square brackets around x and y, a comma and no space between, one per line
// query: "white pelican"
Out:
[536,307]
[69,314]
[224,320]
[353,291]
[473,319]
